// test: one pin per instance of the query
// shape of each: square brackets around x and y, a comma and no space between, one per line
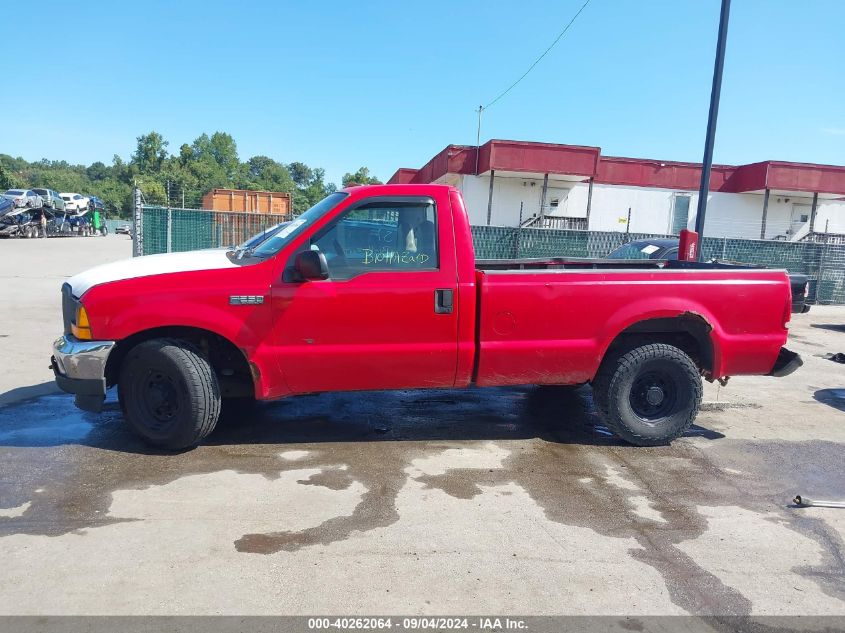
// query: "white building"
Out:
[565,186]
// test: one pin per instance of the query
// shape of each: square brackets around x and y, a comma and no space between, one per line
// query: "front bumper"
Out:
[80,369]
[786,363]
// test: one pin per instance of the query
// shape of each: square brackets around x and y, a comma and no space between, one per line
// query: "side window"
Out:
[380,236]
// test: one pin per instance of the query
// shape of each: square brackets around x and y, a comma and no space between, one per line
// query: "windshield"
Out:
[256,239]
[278,241]
[15,192]
[635,250]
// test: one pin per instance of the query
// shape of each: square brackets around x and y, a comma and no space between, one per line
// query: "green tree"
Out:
[7,180]
[97,171]
[210,161]
[265,174]
[150,152]
[360,177]
[301,173]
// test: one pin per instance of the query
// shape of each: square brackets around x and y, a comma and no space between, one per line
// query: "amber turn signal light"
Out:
[82,328]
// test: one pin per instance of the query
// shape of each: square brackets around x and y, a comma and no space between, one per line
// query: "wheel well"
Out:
[230,363]
[688,332]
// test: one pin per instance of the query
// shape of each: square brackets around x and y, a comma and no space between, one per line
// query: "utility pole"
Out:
[715,93]
[478,139]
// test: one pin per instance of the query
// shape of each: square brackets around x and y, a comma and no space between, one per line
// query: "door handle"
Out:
[443,301]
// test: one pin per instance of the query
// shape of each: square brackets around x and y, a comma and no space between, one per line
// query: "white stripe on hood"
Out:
[210,259]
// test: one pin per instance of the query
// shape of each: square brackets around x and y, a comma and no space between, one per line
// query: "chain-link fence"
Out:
[823,263]
[167,230]
[162,230]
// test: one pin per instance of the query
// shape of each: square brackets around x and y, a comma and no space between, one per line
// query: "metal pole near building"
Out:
[813,210]
[715,93]
[490,197]
[543,198]
[478,140]
[765,215]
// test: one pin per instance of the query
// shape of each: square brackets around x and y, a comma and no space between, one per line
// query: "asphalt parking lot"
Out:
[475,501]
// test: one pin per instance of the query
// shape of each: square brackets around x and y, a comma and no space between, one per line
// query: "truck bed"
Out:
[550,321]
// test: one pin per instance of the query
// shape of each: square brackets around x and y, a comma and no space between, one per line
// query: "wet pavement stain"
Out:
[66,464]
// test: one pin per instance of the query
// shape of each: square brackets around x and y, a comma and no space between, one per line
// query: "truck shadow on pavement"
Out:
[835,327]
[59,468]
[554,414]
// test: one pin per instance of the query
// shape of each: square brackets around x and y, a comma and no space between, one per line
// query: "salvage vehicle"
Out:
[80,224]
[25,198]
[667,248]
[377,287]
[6,204]
[74,202]
[25,222]
[51,199]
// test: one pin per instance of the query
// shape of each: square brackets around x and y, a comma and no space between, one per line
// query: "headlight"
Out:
[81,329]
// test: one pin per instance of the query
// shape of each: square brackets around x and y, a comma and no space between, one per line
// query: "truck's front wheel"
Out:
[650,395]
[169,393]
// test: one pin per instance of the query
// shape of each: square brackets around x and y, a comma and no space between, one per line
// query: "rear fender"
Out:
[670,308]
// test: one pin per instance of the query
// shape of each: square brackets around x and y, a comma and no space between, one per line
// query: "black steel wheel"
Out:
[169,393]
[650,395]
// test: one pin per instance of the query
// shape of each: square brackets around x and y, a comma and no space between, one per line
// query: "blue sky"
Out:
[389,84]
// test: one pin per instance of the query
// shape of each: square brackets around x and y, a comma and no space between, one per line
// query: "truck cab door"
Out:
[386,316]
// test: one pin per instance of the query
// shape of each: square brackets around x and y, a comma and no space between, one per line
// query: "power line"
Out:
[537,61]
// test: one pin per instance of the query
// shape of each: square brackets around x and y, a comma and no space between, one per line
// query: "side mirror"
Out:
[311,265]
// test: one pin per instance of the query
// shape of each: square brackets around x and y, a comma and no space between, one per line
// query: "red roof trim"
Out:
[585,161]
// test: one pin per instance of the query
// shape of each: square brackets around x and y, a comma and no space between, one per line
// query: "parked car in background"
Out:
[123,229]
[6,204]
[62,223]
[75,202]
[658,248]
[96,204]
[26,222]
[80,224]
[667,248]
[51,199]
[25,198]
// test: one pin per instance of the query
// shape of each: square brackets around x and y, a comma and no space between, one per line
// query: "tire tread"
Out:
[202,382]
[627,362]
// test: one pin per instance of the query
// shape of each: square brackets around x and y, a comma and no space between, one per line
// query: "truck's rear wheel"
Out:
[649,395]
[169,393]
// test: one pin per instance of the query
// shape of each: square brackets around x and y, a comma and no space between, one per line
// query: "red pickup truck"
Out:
[377,287]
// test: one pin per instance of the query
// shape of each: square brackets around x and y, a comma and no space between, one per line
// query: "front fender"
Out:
[127,308]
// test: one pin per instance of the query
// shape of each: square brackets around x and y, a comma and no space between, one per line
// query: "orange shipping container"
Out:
[247,201]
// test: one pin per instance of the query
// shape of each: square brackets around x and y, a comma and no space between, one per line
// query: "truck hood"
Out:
[211,259]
